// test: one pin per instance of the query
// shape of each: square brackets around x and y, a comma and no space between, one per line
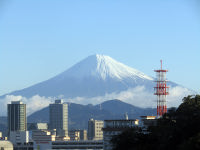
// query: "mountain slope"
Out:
[119,108]
[96,75]
[80,114]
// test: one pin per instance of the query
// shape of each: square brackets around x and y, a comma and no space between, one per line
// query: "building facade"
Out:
[17,116]
[78,145]
[17,125]
[83,135]
[76,135]
[37,126]
[19,137]
[147,121]
[6,145]
[95,129]
[58,117]
[115,127]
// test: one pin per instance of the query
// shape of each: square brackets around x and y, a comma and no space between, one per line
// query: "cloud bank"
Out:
[138,96]
[32,104]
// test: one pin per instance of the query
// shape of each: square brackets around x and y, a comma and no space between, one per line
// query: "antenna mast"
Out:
[161,90]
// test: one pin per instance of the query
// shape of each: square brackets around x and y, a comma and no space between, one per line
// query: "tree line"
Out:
[178,129]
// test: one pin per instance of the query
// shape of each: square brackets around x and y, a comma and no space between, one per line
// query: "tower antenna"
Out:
[161,90]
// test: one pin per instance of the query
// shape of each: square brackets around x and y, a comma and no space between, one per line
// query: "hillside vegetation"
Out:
[179,129]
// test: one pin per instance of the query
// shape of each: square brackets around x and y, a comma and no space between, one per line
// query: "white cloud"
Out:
[33,104]
[177,94]
[37,102]
[138,96]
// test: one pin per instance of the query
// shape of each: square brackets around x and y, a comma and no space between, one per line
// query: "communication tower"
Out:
[161,90]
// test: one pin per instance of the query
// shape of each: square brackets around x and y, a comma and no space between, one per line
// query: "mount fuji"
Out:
[98,78]
[94,76]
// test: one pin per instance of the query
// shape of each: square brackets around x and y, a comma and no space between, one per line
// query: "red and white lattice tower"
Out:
[161,90]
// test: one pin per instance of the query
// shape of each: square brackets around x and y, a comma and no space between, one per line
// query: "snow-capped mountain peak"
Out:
[103,67]
[95,75]
[106,66]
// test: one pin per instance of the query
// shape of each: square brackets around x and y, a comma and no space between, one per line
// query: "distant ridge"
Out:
[80,114]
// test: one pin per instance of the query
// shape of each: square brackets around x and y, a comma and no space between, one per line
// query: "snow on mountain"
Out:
[93,80]
[94,76]
[104,67]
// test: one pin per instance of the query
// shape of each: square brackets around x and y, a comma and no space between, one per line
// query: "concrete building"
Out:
[115,127]
[88,144]
[6,145]
[17,116]
[95,129]
[37,126]
[17,126]
[76,135]
[58,117]
[83,135]
[76,145]
[19,137]
[147,121]
[24,146]
[43,138]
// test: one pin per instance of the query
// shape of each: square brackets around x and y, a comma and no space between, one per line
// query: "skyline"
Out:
[39,40]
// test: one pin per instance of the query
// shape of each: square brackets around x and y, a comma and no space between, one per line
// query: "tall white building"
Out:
[58,117]
[95,129]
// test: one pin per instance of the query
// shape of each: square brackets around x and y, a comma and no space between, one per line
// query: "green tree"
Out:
[178,129]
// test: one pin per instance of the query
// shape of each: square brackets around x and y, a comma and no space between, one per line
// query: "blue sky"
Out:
[40,39]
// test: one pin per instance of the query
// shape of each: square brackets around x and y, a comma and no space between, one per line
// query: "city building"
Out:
[88,144]
[43,136]
[147,121]
[37,126]
[17,126]
[6,145]
[74,135]
[58,117]
[83,135]
[17,116]
[95,129]
[24,146]
[34,127]
[115,127]
[17,137]
[78,135]
[1,135]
